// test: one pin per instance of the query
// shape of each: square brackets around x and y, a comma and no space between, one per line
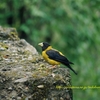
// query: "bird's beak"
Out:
[40,44]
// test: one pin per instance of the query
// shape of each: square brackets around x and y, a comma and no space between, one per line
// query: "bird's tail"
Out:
[71,63]
[71,68]
[68,65]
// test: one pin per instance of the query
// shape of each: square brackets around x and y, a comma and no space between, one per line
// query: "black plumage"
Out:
[55,55]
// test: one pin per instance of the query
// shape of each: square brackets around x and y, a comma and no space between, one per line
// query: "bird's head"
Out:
[44,45]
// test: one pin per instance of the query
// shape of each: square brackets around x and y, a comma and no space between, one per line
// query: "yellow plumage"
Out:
[50,61]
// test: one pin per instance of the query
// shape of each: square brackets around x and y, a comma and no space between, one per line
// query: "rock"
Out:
[28,47]
[21,80]
[24,75]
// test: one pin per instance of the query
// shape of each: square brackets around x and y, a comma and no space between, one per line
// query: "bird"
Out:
[54,57]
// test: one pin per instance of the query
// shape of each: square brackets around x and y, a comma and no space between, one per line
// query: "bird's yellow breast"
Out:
[50,61]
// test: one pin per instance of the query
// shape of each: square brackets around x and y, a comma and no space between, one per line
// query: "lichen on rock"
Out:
[24,75]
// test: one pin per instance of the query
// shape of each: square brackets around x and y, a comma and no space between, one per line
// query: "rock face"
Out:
[24,75]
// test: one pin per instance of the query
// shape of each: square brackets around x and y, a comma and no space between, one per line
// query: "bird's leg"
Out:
[54,66]
[50,68]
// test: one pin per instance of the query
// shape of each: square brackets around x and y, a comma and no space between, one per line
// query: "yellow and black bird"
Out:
[53,56]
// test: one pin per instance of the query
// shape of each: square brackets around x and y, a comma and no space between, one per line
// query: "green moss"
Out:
[3,45]
[14,35]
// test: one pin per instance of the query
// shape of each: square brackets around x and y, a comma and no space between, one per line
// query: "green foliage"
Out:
[71,26]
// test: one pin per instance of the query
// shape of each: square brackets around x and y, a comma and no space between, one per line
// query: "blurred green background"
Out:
[71,26]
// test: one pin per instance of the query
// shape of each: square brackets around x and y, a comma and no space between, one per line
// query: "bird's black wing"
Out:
[57,56]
